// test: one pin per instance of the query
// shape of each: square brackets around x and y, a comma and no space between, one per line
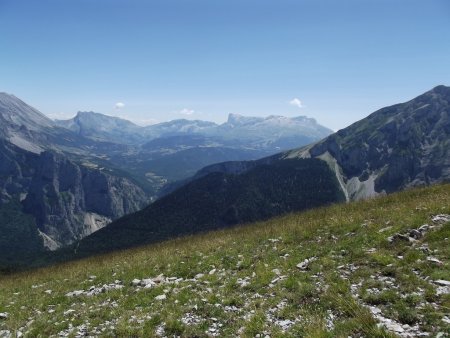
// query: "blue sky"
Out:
[204,59]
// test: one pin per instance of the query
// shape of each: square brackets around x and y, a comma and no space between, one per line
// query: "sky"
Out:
[152,61]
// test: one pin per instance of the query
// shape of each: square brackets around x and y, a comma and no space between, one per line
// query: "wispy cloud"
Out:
[119,105]
[296,102]
[187,111]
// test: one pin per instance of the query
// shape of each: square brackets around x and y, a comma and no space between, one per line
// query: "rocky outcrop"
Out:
[394,148]
[70,201]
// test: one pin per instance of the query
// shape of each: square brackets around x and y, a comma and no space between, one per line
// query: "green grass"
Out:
[241,297]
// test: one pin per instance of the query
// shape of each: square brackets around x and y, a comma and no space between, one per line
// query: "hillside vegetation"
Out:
[217,200]
[370,268]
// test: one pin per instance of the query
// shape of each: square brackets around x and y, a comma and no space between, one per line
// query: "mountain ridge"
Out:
[417,132]
[394,148]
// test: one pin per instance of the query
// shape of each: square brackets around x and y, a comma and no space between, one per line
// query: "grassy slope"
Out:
[318,301]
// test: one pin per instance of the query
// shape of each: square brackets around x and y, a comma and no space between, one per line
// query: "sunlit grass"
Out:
[338,236]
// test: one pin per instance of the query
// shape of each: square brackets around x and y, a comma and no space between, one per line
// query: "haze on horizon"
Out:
[153,61]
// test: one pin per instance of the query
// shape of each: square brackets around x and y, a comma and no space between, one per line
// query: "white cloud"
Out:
[187,111]
[296,102]
[119,105]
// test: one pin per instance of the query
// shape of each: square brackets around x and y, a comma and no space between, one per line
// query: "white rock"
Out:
[442,282]
[159,279]
[75,293]
[212,272]
[441,218]
[199,275]
[160,297]
[147,283]
[5,334]
[4,315]
[305,264]
[434,260]
[68,312]
[424,228]
[392,326]
[135,282]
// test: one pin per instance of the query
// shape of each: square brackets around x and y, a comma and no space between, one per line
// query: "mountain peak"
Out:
[441,89]
[237,119]
[15,112]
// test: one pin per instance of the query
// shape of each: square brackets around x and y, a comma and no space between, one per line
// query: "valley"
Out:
[75,176]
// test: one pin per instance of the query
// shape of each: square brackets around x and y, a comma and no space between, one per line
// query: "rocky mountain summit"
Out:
[102,127]
[277,132]
[40,171]
[396,147]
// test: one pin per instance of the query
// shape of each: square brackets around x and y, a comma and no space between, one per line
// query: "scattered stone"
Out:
[161,297]
[434,260]
[147,283]
[305,264]
[441,218]
[191,319]
[400,238]
[75,293]
[330,320]
[424,248]
[159,279]
[5,334]
[442,282]
[212,272]
[276,271]
[4,315]
[68,312]
[424,228]
[416,234]
[135,282]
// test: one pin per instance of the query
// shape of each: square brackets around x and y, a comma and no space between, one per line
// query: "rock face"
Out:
[70,201]
[394,148]
[104,128]
[41,175]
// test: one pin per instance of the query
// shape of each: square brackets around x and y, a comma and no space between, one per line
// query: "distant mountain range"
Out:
[175,150]
[66,179]
[272,132]
[394,148]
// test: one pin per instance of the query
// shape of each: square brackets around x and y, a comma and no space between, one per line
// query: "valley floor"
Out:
[376,268]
